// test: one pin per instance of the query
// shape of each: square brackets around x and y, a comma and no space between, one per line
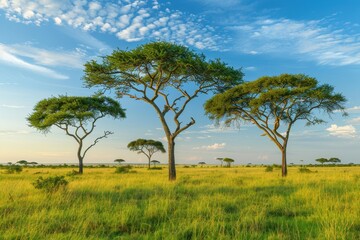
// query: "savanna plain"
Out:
[203,203]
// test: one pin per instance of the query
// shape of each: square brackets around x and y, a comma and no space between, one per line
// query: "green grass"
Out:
[204,203]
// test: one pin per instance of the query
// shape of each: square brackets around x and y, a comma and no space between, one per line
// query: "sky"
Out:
[44,44]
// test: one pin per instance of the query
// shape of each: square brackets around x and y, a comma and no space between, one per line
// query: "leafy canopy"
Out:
[285,98]
[72,111]
[150,145]
[159,65]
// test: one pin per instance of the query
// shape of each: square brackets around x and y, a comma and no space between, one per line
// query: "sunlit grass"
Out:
[204,203]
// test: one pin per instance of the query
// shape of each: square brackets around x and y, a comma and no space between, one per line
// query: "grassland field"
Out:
[203,203]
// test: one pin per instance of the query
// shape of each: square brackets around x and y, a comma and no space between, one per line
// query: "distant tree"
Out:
[202,163]
[33,163]
[274,104]
[119,160]
[221,160]
[76,116]
[334,160]
[167,76]
[23,162]
[155,162]
[322,160]
[228,161]
[146,146]
[9,163]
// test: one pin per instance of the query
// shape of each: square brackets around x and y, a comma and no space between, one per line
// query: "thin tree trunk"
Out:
[171,157]
[284,164]
[81,165]
[149,163]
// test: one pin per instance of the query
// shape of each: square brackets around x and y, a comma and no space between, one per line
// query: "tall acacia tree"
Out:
[274,104]
[146,146]
[166,76]
[76,116]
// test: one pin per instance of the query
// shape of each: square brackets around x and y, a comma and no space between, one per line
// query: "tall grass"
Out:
[204,203]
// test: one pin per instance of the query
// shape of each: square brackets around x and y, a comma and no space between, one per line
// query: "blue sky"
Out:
[44,44]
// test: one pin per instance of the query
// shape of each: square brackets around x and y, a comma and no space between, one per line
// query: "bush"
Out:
[51,184]
[14,169]
[304,170]
[124,169]
[269,169]
[72,173]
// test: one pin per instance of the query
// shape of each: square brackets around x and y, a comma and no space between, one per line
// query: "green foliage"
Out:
[269,169]
[51,184]
[65,111]
[228,161]
[13,169]
[322,160]
[334,160]
[119,160]
[23,162]
[124,169]
[146,146]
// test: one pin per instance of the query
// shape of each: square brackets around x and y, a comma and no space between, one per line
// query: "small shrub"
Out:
[51,184]
[155,168]
[304,170]
[269,169]
[72,173]
[14,169]
[124,169]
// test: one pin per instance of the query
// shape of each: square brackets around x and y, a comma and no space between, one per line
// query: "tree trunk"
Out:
[81,158]
[171,158]
[149,163]
[283,162]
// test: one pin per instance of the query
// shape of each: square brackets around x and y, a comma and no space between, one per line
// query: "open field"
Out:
[204,203]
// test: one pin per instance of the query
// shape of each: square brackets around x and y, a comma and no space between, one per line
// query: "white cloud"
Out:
[342,131]
[11,106]
[12,132]
[74,59]
[11,59]
[214,146]
[353,109]
[313,40]
[355,121]
[128,20]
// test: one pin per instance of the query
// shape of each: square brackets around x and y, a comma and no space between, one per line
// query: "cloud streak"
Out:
[9,58]
[313,40]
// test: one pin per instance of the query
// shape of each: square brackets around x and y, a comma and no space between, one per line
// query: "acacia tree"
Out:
[274,104]
[321,160]
[119,160]
[166,76]
[76,116]
[334,160]
[221,161]
[155,162]
[228,161]
[147,147]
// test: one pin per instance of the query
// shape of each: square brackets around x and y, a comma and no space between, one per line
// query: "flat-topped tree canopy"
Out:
[165,75]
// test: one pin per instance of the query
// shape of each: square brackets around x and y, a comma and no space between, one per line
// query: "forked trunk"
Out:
[171,157]
[283,163]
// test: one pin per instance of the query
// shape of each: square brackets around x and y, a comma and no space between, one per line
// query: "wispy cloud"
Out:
[11,106]
[214,146]
[342,131]
[74,59]
[310,40]
[7,57]
[128,20]
[13,132]
[353,109]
